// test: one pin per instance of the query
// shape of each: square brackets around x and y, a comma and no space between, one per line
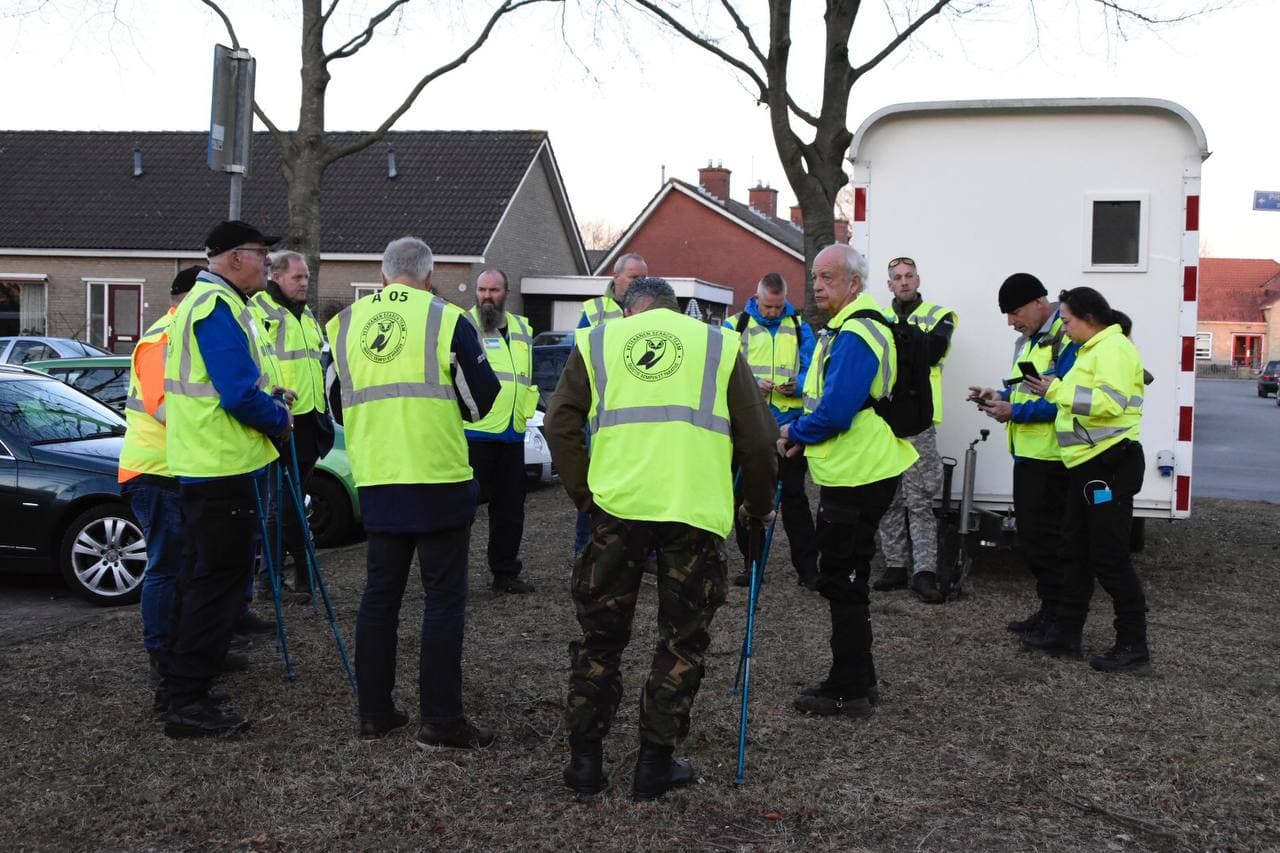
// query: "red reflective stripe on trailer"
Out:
[1184,493]
[1188,353]
[1193,213]
[1189,284]
[859,204]
[1186,416]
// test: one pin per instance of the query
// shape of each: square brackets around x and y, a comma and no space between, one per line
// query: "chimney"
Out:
[764,199]
[392,174]
[797,216]
[137,162]
[715,180]
[842,231]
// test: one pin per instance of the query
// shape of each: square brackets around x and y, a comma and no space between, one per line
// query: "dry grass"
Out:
[977,745]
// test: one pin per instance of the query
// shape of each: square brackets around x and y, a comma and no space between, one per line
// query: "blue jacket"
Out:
[1041,410]
[851,368]
[807,344]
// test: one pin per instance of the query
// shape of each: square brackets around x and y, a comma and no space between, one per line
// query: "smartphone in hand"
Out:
[1028,370]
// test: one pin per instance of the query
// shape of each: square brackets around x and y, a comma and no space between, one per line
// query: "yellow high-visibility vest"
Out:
[601,309]
[1100,400]
[775,357]
[511,358]
[143,451]
[296,344]
[1036,439]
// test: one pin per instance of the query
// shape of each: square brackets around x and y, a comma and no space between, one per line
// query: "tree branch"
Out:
[328,13]
[745,30]
[373,136]
[904,35]
[362,38]
[1123,11]
[707,45]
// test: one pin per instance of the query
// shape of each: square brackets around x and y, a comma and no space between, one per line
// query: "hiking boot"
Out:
[251,623]
[1056,641]
[894,577]
[808,579]
[925,586]
[584,773]
[826,705]
[202,718]
[457,734]
[1122,657]
[511,584]
[1031,624]
[234,663]
[820,689]
[374,728]
[160,702]
[657,772]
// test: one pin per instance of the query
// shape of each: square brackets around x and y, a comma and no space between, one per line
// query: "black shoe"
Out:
[512,584]
[1125,657]
[160,702]
[894,577]
[808,580]
[824,705]
[820,689]
[925,586]
[373,729]
[743,579]
[1055,641]
[459,734]
[202,718]
[584,773]
[234,663]
[1031,624]
[251,623]
[657,772]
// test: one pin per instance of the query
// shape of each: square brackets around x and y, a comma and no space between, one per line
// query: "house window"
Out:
[22,307]
[1115,232]
[1204,345]
[360,288]
[1246,351]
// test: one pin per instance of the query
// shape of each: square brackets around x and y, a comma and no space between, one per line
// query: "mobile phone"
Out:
[1028,369]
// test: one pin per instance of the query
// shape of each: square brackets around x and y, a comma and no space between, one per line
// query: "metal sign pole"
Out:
[231,118]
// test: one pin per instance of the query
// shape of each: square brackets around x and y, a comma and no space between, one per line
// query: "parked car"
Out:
[103,377]
[548,364]
[538,467]
[560,338]
[1269,380]
[21,349]
[60,506]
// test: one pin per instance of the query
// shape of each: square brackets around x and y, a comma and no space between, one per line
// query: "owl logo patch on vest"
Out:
[653,355]
[383,337]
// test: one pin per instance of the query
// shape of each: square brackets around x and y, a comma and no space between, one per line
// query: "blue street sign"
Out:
[1266,200]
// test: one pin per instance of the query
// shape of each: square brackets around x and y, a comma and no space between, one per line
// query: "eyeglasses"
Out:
[893,263]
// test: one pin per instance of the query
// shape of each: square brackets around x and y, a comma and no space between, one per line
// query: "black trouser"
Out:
[442,562]
[797,520]
[846,533]
[499,469]
[1039,502]
[221,521]
[1097,533]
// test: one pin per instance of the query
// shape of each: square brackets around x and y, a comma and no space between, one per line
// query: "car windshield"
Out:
[548,364]
[108,385]
[44,411]
[1272,367]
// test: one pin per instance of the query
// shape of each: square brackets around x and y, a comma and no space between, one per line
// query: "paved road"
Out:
[1237,442]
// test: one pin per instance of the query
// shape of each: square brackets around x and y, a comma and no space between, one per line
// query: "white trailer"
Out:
[1103,192]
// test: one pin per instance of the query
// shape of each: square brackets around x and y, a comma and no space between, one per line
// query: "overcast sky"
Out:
[622,101]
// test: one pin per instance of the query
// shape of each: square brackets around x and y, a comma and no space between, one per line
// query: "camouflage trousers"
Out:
[605,587]
[909,529]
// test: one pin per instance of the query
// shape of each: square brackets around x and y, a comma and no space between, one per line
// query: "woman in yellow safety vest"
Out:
[1098,428]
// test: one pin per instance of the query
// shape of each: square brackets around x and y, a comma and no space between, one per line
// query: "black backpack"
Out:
[908,407]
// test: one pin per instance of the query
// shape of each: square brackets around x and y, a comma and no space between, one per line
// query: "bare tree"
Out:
[600,233]
[307,151]
[812,143]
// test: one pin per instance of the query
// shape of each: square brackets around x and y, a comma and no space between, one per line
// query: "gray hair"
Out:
[622,262]
[773,283]
[280,260]
[649,292]
[407,257]
[852,261]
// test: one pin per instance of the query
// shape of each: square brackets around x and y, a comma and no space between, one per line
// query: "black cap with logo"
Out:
[232,234]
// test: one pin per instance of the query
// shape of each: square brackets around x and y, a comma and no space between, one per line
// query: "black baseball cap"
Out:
[185,280]
[232,234]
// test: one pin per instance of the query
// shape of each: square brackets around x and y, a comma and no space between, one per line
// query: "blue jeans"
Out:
[158,509]
[442,559]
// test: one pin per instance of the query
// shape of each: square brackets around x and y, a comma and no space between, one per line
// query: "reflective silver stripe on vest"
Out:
[190,389]
[183,384]
[160,414]
[1134,402]
[504,376]
[133,404]
[1081,436]
[704,416]
[601,314]
[932,318]
[1082,401]
[886,363]
[431,388]
[819,360]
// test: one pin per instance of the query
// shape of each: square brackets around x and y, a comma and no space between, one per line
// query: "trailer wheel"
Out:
[1138,536]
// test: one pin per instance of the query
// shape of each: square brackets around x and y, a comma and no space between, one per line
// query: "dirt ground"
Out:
[977,745]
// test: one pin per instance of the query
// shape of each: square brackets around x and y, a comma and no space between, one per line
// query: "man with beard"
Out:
[495,444]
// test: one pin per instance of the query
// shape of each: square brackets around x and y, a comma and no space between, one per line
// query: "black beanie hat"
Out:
[185,280]
[1019,289]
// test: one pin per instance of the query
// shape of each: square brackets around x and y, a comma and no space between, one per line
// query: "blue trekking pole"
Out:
[268,557]
[744,661]
[313,568]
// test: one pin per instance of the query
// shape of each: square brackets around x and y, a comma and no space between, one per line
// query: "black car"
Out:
[548,364]
[60,505]
[1269,380]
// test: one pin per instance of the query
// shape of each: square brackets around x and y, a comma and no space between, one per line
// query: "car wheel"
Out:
[330,512]
[103,555]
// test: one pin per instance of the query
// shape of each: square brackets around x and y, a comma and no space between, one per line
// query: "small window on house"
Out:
[360,289]
[22,307]
[1204,346]
[1115,234]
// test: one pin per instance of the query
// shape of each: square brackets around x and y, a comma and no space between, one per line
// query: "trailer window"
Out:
[1116,232]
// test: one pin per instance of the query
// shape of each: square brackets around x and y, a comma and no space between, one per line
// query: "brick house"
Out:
[95,224]
[1238,321]
[701,232]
